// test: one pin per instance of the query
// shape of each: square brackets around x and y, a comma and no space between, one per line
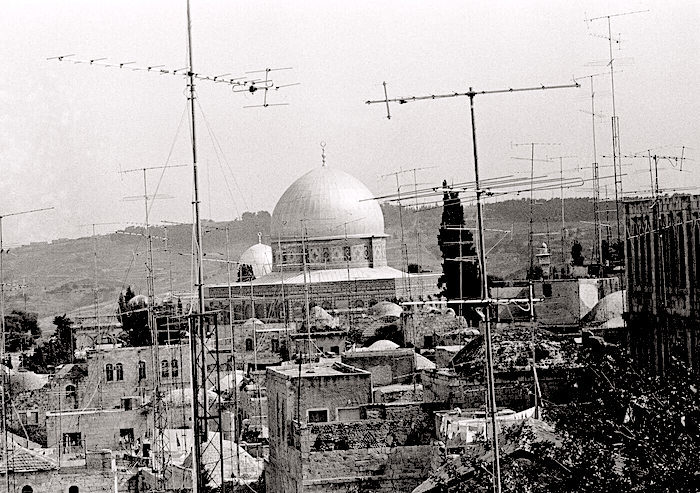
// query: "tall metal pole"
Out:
[530,240]
[233,359]
[197,323]
[487,315]
[5,377]
[482,254]
[596,185]
[615,138]
[561,199]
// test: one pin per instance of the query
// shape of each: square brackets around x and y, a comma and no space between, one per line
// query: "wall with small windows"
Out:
[128,372]
[115,429]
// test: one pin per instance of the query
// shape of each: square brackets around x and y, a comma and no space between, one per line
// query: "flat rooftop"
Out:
[312,370]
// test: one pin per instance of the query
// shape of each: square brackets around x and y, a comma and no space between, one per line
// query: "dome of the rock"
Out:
[327,203]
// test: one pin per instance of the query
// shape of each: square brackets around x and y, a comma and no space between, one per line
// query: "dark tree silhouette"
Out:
[450,237]
[577,257]
[134,319]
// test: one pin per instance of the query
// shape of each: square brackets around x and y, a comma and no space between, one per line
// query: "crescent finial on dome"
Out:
[323,154]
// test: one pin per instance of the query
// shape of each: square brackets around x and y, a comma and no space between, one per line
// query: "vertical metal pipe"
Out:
[484,296]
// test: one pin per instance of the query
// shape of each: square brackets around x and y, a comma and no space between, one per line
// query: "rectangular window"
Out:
[127,404]
[318,416]
[126,435]
[23,417]
[547,290]
[275,344]
[72,443]
[34,418]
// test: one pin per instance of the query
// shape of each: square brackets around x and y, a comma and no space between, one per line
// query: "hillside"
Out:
[58,277]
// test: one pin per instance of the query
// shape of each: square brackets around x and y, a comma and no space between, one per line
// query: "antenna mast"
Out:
[615,122]
[6,375]
[486,303]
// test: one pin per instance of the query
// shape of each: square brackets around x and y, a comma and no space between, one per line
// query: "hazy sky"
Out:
[66,130]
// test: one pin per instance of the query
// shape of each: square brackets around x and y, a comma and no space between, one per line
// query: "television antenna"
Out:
[530,242]
[615,123]
[162,449]
[404,247]
[6,375]
[485,301]
[676,161]
[200,374]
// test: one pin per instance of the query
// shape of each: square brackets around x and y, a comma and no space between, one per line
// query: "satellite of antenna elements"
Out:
[238,84]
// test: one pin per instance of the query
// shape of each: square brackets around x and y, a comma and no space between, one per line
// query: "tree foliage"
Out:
[624,431]
[21,330]
[58,350]
[577,257]
[134,319]
[450,238]
[245,273]
[613,252]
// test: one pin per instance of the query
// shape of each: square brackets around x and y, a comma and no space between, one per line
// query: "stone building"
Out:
[31,472]
[122,377]
[325,435]
[387,365]
[328,244]
[662,261]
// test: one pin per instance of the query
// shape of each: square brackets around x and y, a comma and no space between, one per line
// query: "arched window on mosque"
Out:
[27,489]
[109,372]
[73,489]
[174,368]
[119,370]
[164,369]
[142,370]
[249,344]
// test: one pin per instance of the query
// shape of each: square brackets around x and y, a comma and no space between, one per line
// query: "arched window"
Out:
[73,489]
[27,489]
[142,370]
[164,369]
[174,369]
[249,344]
[119,371]
[70,391]
[109,372]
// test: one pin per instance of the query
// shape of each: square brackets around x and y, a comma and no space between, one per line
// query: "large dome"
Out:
[326,201]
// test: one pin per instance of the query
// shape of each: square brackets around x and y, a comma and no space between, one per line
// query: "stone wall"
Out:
[386,367]
[514,389]
[391,448]
[424,329]
[97,478]
[104,394]
[99,429]
[662,255]
[29,412]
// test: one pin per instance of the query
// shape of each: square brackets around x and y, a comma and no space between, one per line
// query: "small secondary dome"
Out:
[326,201]
[139,300]
[259,257]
